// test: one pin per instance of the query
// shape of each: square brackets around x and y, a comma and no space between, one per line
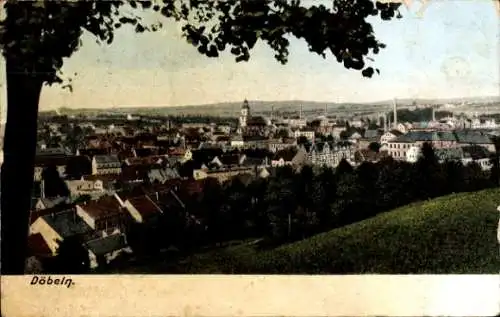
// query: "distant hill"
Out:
[449,235]
[232,108]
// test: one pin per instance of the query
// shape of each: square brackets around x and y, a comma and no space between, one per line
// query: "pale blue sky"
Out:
[452,51]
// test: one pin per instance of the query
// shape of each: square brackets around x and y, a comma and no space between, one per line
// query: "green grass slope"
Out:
[451,234]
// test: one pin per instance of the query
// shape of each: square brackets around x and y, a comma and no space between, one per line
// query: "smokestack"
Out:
[300,114]
[272,113]
[433,114]
[326,110]
[395,113]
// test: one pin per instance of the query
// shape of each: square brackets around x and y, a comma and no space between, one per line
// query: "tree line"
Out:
[294,205]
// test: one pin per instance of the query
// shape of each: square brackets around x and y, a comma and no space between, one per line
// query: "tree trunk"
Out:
[23,93]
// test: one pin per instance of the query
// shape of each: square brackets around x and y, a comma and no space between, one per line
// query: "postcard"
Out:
[250,158]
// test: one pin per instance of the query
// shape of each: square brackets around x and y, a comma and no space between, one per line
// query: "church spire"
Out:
[245,104]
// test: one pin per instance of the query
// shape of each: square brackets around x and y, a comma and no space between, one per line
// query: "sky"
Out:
[452,50]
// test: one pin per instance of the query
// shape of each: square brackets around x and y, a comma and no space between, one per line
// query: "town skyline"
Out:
[436,56]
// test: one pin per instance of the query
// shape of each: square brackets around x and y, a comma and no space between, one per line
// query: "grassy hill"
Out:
[452,234]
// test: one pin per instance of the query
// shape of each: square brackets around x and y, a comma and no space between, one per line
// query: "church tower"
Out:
[245,114]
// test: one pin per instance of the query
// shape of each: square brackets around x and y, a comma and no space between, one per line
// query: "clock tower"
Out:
[245,113]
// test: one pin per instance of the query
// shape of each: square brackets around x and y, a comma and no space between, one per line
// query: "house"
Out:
[142,208]
[106,214]
[355,137]
[336,130]
[180,155]
[401,127]
[293,157]
[161,175]
[308,133]
[464,154]
[329,153]
[295,122]
[85,186]
[367,155]
[470,137]
[37,213]
[55,227]
[47,203]
[104,250]
[146,160]
[413,154]
[357,123]
[249,141]
[228,160]
[256,162]
[38,247]
[106,164]
[389,136]
[281,144]
[438,139]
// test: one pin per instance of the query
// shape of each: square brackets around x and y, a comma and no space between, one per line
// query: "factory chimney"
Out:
[300,114]
[395,113]
[433,114]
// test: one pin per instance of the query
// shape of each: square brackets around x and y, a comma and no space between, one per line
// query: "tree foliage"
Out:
[72,257]
[39,35]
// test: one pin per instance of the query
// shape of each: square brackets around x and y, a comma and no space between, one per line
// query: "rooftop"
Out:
[106,206]
[66,223]
[107,245]
[145,206]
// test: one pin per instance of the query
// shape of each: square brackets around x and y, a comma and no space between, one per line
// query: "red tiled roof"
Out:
[37,246]
[151,189]
[106,206]
[145,206]
[171,184]
[35,214]
[148,160]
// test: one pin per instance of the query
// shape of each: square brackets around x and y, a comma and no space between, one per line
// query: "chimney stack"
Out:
[395,113]
[433,114]
[300,114]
